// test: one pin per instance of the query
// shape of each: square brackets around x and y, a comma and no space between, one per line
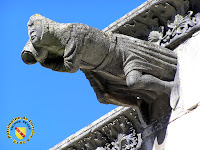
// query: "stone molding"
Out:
[177,30]
[165,22]
[116,130]
[119,134]
[123,128]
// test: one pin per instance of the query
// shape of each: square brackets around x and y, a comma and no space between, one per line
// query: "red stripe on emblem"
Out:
[19,132]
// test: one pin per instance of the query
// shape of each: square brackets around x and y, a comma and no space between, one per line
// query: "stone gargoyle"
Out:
[121,69]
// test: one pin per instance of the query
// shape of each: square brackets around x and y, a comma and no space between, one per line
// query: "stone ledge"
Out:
[75,140]
[164,22]
[129,16]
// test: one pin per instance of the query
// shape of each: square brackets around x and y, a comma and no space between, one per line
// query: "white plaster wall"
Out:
[189,67]
[183,131]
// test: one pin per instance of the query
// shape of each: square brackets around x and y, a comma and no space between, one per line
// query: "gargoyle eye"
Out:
[30,24]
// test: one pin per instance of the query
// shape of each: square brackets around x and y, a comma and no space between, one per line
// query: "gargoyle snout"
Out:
[28,57]
[29,54]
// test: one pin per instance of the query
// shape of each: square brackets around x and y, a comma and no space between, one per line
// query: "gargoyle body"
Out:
[120,68]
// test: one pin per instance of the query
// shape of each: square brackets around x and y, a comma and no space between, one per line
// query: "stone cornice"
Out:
[121,127]
[154,21]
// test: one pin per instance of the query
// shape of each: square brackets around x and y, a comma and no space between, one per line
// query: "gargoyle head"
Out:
[39,28]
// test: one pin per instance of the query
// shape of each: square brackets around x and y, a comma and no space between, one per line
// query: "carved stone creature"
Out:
[120,68]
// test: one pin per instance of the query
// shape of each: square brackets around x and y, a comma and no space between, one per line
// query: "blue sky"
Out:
[59,104]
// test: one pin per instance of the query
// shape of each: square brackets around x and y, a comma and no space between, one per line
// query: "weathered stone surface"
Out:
[121,69]
[152,124]
[165,22]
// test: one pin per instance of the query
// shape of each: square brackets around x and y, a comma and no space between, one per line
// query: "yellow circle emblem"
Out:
[20,130]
